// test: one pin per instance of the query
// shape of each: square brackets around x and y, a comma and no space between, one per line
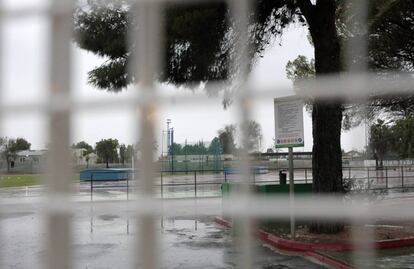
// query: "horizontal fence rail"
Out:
[207,183]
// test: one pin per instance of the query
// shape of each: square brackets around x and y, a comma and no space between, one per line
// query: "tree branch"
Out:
[306,8]
[382,11]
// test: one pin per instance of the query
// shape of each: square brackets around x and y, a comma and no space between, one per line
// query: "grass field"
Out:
[20,180]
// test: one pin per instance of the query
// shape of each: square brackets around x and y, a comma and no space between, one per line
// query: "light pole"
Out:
[172,149]
[170,143]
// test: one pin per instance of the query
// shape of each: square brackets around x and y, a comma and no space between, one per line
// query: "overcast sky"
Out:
[24,79]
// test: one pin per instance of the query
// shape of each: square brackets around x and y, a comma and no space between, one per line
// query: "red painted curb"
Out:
[299,246]
[395,243]
[222,222]
[291,245]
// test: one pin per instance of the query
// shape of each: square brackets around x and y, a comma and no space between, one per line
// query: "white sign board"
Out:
[289,122]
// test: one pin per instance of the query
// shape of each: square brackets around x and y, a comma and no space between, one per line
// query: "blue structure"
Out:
[108,174]
[258,170]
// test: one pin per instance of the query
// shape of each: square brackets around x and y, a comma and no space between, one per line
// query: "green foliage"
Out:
[403,137]
[196,149]
[199,43]
[102,29]
[106,149]
[125,153]
[380,140]
[253,135]
[83,145]
[226,137]
[10,146]
[21,144]
[393,137]
[86,153]
[122,153]
[300,68]
[175,149]
[215,147]
[391,41]
[129,153]
[391,47]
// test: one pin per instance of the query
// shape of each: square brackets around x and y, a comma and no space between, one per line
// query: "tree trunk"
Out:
[327,158]
[326,115]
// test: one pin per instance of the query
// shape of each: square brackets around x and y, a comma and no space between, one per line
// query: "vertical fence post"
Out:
[202,164]
[162,187]
[195,183]
[58,221]
[402,178]
[306,175]
[91,185]
[386,177]
[127,186]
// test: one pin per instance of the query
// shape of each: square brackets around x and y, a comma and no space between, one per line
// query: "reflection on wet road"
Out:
[190,243]
[108,240]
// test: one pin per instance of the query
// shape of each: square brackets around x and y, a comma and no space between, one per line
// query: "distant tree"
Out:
[129,153]
[83,145]
[402,140]
[226,137]
[215,146]
[3,140]
[380,141]
[88,150]
[200,148]
[22,144]
[3,150]
[106,149]
[300,68]
[175,149]
[10,147]
[254,135]
[303,68]
[122,154]
[187,149]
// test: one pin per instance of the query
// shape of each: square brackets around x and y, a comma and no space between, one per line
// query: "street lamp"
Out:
[170,143]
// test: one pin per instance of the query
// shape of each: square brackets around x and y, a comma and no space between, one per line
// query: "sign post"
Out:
[289,134]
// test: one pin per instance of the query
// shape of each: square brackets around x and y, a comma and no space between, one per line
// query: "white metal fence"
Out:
[59,108]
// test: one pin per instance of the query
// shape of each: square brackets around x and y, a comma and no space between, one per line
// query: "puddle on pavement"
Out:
[108,217]
[12,215]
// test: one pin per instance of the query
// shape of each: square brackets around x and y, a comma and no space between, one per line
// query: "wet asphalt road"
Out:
[107,239]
